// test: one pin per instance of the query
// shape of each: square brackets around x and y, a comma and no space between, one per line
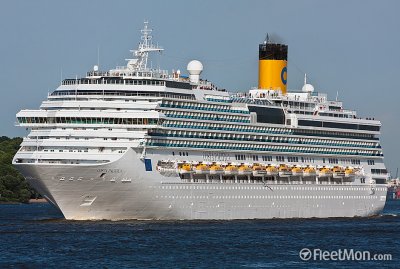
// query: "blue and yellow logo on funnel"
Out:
[284,75]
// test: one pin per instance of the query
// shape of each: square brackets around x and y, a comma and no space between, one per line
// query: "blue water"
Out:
[36,236]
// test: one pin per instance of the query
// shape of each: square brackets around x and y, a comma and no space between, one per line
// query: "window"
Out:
[379,171]
[268,115]
[371,162]
[240,157]
[267,158]
[280,158]
[333,160]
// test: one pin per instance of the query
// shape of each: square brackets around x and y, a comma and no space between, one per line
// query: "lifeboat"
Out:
[216,169]
[231,170]
[245,170]
[309,171]
[271,170]
[325,172]
[338,172]
[284,171]
[259,170]
[297,171]
[202,169]
[185,168]
[349,172]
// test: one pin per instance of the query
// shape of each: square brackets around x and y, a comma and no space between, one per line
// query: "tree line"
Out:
[13,186]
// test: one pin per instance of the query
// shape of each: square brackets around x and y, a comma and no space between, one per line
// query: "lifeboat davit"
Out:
[309,171]
[185,168]
[202,169]
[216,169]
[259,170]
[284,171]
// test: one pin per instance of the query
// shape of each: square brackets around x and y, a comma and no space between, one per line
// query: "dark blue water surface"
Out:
[37,236]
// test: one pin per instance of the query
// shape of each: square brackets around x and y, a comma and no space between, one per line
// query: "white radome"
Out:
[195,67]
[308,88]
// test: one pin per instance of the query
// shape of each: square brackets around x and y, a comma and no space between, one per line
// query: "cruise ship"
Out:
[141,143]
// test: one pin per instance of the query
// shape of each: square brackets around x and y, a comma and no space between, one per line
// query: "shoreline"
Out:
[31,201]
[34,201]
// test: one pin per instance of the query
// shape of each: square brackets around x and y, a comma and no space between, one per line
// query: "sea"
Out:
[37,236]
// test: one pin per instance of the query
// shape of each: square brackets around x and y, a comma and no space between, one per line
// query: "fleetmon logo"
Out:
[284,75]
[305,254]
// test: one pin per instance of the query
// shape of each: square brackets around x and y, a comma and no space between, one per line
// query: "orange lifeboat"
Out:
[349,172]
[271,170]
[309,171]
[202,169]
[259,170]
[338,172]
[284,171]
[231,170]
[325,172]
[297,171]
[185,168]
[245,170]
[216,169]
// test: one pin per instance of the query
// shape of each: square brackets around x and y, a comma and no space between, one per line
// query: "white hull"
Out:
[127,191]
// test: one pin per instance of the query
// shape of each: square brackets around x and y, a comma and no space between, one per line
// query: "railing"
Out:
[249,147]
[190,107]
[205,118]
[260,131]
[260,140]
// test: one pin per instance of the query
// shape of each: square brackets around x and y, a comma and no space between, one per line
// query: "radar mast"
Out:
[141,55]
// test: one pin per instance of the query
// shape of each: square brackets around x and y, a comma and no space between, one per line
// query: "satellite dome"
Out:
[308,88]
[194,68]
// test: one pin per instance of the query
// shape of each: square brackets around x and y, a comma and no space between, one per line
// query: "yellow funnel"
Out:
[272,67]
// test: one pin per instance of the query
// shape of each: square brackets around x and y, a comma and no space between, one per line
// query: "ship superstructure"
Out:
[142,143]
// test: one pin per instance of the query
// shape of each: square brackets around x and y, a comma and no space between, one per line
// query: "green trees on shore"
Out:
[13,187]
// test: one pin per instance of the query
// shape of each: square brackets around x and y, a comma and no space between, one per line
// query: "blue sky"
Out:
[350,47]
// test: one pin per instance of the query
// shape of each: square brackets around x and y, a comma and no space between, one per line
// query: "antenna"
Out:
[142,53]
[397,172]
[266,39]
[61,76]
[337,95]
[305,78]
[98,55]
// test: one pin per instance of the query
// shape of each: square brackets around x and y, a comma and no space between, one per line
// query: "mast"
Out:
[141,55]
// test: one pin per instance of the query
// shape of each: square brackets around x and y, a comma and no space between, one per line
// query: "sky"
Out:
[349,48]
